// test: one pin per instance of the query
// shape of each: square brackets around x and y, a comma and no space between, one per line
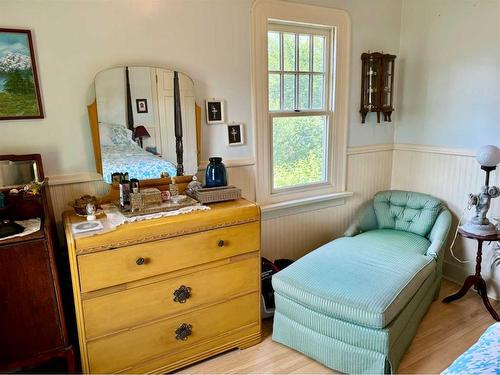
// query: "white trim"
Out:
[230,163]
[410,148]
[357,150]
[262,12]
[434,149]
[293,207]
[73,178]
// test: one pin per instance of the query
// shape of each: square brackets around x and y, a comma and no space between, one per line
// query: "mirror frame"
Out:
[161,183]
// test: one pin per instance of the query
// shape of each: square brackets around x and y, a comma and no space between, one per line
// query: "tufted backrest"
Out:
[406,211]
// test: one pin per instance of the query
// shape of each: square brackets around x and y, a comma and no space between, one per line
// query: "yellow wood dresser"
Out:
[157,295]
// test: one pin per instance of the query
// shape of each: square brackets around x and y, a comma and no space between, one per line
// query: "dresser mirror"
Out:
[144,122]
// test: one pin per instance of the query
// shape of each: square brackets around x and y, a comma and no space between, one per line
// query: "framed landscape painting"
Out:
[19,89]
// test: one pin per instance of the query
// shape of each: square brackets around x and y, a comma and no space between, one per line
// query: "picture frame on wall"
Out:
[235,135]
[215,111]
[19,86]
[141,105]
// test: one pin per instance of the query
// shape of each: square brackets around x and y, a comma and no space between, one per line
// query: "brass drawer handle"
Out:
[221,243]
[182,294]
[183,332]
[140,261]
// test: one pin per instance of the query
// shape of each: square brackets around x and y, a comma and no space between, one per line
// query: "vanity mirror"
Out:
[144,122]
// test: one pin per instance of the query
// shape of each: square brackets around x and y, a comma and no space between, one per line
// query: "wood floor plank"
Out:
[445,332]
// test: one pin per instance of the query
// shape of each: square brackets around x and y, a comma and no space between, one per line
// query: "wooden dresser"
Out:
[32,325]
[157,295]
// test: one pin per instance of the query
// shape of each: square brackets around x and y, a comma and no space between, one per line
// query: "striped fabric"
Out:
[349,357]
[406,211]
[332,353]
[380,340]
[365,280]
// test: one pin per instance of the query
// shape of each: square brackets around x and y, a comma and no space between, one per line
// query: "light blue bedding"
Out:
[137,162]
[481,358]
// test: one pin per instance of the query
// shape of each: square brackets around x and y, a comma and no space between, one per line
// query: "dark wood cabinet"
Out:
[32,324]
[377,85]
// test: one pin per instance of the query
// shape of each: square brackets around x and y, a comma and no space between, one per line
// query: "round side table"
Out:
[476,280]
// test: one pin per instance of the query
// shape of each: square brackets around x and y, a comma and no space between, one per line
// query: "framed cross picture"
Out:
[19,88]
[215,111]
[235,135]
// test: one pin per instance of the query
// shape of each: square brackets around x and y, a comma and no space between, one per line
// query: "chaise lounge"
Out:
[355,303]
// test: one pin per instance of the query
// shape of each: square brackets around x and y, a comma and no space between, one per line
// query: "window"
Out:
[300,75]
[298,83]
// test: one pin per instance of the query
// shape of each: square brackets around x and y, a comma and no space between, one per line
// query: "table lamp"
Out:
[141,132]
[488,157]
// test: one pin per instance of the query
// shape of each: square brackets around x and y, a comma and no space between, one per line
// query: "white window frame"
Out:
[337,22]
[325,111]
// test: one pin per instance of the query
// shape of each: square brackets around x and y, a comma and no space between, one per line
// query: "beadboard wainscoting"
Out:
[450,174]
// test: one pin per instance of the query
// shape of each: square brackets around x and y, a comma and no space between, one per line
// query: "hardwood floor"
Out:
[445,333]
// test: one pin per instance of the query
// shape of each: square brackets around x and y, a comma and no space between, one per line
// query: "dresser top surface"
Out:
[220,215]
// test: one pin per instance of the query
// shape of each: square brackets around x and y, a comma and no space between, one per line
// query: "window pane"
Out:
[298,150]
[274,92]
[289,92]
[289,52]
[318,91]
[304,91]
[273,50]
[304,53]
[319,54]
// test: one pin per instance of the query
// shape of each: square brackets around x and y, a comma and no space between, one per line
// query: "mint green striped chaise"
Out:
[355,303]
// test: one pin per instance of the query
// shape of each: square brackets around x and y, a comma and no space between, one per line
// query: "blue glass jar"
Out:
[215,174]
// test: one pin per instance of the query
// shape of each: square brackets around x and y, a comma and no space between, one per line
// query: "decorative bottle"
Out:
[215,174]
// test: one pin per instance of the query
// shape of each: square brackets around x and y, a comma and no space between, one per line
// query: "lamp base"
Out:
[480,229]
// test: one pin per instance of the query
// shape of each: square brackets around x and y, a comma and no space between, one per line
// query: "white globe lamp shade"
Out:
[488,156]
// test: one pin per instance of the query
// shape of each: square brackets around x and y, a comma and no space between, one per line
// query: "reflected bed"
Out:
[137,162]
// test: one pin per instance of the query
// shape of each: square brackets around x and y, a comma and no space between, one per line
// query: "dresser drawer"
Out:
[124,350]
[153,301]
[125,264]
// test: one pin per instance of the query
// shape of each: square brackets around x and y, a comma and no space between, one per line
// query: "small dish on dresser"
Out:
[178,198]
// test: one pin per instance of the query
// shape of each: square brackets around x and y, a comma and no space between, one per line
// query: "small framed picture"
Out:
[215,111]
[235,135]
[142,105]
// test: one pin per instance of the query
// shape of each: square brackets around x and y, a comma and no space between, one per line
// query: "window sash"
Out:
[324,110]
[327,156]
[282,27]
[311,76]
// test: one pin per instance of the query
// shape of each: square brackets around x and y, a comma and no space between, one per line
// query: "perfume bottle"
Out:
[173,188]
